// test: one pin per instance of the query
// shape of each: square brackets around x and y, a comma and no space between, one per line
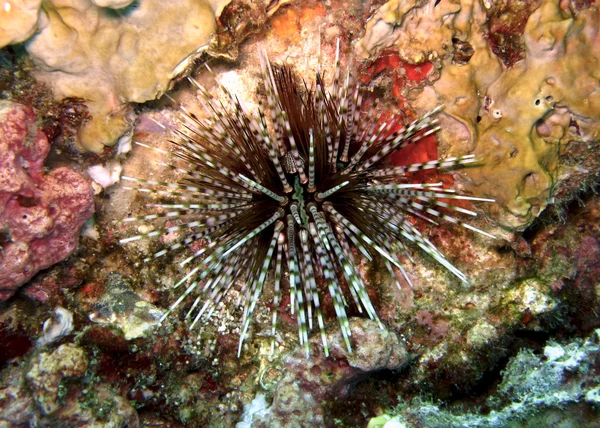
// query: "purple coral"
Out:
[40,214]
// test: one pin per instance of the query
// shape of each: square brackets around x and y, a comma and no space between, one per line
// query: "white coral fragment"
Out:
[60,325]
[107,175]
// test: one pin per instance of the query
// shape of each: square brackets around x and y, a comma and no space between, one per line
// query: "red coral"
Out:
[40,214]
[404,75]
[417,72]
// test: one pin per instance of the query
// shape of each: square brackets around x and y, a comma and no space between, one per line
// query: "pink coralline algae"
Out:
[40,214]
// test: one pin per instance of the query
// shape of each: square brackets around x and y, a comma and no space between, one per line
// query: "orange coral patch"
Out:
[288,23]
[285,25]
[308,13]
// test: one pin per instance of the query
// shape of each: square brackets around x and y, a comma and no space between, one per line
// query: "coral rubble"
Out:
[122,307]
[53,390]
[558,388]
[40,214]
[306,385]
[50,369]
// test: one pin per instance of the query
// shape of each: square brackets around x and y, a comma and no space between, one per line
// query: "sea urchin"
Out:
[288,192]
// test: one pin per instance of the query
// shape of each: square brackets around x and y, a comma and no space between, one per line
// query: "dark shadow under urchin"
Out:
[293,192]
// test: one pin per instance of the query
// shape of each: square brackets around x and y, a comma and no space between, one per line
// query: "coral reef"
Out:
[506,26]
[115,53]
[498,352]
[541,104]
[60,120]
[107,62]
[316,167]
[53,391]
[559,387]
[47,372]
[16,404]
[457,336]
[519,119]
[407,26]
[18,20]
[568,260]
[40,214]
[307,385]
[120,306]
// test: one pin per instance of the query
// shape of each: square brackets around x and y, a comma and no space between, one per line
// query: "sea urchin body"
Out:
[287,192]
